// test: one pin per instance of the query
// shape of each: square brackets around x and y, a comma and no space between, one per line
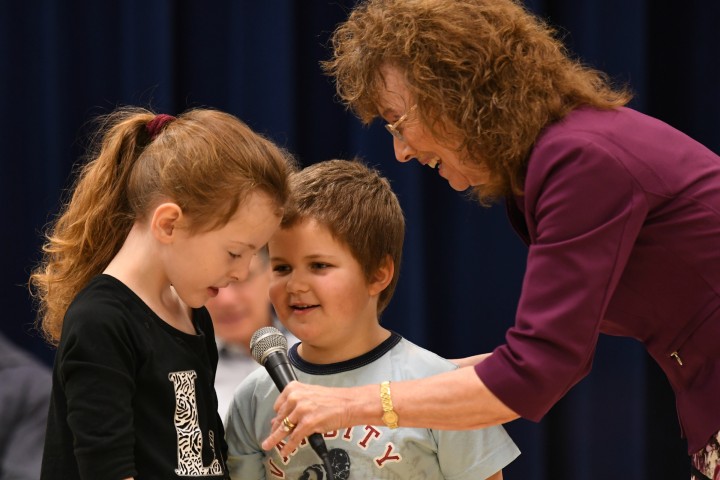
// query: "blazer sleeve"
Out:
[584,211]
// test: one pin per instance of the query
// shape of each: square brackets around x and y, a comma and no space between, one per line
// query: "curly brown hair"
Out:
[206,161]
[359,208]
[488,73]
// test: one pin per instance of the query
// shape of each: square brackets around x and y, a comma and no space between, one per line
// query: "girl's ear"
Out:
[164,221]
[382,277]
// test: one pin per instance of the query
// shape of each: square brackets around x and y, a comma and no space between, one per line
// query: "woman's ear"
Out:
[383,276]
[164,221]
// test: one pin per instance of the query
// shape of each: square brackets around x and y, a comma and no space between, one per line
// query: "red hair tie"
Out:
[155,126]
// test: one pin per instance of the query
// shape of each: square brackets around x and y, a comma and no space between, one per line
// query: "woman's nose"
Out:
[403,151]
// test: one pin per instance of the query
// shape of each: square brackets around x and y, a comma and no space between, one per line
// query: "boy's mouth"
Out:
[302,306]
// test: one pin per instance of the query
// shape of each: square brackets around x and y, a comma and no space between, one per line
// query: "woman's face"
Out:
[417,142]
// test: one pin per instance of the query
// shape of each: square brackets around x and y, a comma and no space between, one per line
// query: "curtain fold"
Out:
[63,63]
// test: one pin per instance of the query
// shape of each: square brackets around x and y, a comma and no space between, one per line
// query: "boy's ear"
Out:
[164,221]
[383,276]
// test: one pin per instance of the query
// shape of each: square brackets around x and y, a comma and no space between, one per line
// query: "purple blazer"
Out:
[622,216]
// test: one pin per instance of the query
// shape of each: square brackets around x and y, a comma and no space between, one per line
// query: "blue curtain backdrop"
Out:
[63,63]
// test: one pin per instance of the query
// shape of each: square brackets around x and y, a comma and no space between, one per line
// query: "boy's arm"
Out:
[244,460]
[474,454]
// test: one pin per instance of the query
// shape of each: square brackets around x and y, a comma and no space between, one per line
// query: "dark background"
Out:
[63,63]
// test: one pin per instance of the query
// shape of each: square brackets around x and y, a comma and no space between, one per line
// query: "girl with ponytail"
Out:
[165,213]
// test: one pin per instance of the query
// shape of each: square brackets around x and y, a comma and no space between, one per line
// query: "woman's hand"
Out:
[316,409]
[455,400]
[470,361]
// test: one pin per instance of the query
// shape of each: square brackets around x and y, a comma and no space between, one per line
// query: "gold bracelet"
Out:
[389,416]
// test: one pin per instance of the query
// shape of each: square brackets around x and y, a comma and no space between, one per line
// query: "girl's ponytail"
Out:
[92,225]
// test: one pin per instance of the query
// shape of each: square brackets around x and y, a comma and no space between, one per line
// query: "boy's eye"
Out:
[281,269]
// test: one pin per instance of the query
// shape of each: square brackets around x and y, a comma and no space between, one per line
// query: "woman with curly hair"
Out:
[620,211]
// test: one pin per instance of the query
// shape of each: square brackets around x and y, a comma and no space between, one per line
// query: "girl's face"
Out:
[200,264]
[321,295]
[418,143]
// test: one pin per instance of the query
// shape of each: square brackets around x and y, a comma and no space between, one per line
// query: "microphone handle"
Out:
[281,371]
[278,366]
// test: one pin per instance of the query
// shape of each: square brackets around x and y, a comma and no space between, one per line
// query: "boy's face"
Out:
[320,294]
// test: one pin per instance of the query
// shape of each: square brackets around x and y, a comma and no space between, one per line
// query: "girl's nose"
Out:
[241,271]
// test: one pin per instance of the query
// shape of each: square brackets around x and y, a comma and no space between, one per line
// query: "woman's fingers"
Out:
[311,409]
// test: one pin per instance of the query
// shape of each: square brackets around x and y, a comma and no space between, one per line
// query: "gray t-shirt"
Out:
[365,451]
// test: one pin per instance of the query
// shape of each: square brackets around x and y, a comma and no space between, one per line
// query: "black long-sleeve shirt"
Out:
[132,396]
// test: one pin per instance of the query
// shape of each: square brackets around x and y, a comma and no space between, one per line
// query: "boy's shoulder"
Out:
[255,391]
[413,361]
[257,383]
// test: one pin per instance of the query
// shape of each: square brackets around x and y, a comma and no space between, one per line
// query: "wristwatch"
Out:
[389,417]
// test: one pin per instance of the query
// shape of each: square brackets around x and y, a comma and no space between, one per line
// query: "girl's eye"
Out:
[234,255]
[319,265]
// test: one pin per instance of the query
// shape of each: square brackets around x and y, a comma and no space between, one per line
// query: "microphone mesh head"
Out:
[265,341]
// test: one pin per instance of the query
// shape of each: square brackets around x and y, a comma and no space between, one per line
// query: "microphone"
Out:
[268,347]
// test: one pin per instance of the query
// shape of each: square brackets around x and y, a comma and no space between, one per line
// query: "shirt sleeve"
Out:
[96,371]
[245,456]
[584,212]
[474,454]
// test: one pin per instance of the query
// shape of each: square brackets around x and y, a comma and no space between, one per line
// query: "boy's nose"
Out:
[296,284]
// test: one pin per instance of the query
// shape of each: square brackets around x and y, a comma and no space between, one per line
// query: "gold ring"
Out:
[288,426]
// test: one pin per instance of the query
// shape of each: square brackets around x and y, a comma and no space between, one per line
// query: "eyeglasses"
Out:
[394,128]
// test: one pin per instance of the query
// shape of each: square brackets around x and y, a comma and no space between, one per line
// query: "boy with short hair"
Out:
[335,263]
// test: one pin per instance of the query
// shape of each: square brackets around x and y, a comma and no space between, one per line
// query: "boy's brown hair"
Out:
[357,205]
